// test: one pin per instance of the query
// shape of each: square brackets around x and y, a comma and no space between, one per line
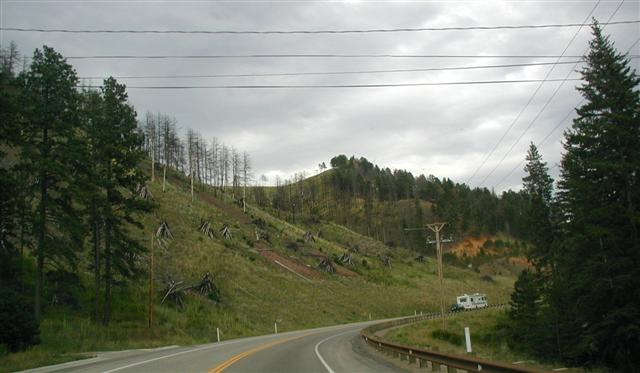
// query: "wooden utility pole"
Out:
[164,177]
[151,284]
[153,164]
[437,227]
[191,185]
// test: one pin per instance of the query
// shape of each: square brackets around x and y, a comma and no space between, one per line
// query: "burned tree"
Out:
[142,191]
[174,291]
[386,260]
[226,232]
[308,237]
[163,233]
[326,265]
[346,259]
[206,228]
[207,288]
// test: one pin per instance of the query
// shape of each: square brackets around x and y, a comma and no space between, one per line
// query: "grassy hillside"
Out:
[256,288]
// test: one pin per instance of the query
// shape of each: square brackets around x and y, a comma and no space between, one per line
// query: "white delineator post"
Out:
[467,337]
[218,333]
[275,327]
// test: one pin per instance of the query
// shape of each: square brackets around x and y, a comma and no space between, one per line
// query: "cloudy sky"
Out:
[444,130]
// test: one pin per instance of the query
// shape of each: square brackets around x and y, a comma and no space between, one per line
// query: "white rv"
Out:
[470,302]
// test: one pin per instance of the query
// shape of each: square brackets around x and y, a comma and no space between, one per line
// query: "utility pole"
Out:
[437,227]
[151,284]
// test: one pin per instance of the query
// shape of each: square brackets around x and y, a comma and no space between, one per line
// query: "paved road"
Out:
[330,349]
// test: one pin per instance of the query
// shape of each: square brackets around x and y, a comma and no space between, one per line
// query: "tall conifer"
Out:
[598,271]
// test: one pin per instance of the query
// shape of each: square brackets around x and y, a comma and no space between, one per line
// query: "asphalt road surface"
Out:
[330,349]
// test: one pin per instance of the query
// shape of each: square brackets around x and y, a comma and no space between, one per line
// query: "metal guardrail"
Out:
[432,359]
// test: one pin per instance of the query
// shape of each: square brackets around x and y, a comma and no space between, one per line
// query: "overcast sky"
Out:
[446,131]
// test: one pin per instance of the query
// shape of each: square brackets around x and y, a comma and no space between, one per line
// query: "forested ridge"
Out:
[381,203]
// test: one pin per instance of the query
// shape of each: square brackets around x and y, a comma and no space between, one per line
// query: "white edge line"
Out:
[321,342]
[170,355]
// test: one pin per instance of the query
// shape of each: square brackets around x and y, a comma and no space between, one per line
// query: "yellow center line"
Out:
[250,352]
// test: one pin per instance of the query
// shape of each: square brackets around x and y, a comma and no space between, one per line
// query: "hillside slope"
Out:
[272,279]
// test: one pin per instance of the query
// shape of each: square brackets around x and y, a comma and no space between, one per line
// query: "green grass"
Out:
[488,339]
[255,292]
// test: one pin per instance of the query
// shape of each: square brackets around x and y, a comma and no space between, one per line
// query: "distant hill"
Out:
[381,203]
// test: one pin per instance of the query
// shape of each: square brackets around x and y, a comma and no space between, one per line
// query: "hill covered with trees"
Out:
[382,203]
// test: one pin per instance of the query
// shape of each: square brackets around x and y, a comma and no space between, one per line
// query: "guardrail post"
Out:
[435,367]
[452,370]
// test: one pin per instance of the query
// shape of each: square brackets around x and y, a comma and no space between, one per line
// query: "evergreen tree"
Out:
[538,186]
[598,270]
[524,314]
[529,319]
[48,100]
[115,148]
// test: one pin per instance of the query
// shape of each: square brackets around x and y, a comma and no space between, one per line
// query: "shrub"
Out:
[18,326]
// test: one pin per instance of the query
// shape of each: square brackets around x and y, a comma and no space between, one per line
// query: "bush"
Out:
[18,326]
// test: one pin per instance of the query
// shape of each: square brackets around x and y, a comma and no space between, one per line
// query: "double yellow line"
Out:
[252,351]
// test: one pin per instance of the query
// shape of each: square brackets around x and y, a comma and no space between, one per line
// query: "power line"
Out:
[479,82]
[336,72]
[540,143]
[284,32]
[552,130]
[224,56]
[544,107]
[535,92]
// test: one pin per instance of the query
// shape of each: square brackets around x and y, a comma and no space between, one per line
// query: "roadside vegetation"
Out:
[489,338]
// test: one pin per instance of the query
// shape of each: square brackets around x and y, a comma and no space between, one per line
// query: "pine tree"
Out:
[538,187]
[526,332]
[116,151]
[598,272]
[47,153]
[534,321]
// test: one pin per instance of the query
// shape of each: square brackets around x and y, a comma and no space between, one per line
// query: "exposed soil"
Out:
[470,246]
[296,265]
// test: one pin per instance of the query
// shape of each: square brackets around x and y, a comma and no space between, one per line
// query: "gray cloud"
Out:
[444,130]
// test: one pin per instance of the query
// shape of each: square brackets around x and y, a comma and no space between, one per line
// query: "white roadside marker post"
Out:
[467,337]
[218,333]
[275,327]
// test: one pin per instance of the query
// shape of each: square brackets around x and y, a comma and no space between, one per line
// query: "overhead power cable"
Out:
[479,82]
[539,144]
[535,93]
[302,73]
[548,135]
[284,32]
[330,55]
[545,106]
